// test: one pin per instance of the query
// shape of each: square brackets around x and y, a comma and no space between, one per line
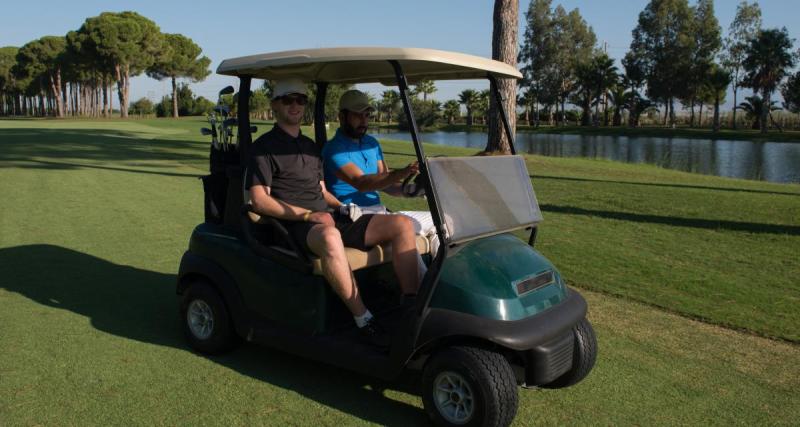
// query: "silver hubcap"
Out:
[453,397]
[200,319]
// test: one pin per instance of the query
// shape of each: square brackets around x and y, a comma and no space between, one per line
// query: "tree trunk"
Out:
[716,114]
[700,115]
[103,89]
[764,111]
[733,124]
[55,87]
[174,98]
[41,103]
[504,49]
[671,111]
[123,86]
[596,119]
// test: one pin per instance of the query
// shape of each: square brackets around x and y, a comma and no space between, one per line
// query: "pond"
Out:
[766,161]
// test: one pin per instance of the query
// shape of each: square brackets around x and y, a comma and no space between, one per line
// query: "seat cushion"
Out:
[377,255]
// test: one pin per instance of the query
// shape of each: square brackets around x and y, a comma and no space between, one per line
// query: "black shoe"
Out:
[408,302]
[374,334]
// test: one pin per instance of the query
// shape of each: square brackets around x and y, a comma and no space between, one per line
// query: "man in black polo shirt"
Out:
[285,180]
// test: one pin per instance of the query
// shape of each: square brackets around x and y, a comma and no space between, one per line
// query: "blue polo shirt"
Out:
[365,154]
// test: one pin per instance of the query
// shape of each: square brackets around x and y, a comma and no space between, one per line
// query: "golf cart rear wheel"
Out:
[584,354]
[206,322]
[467,386]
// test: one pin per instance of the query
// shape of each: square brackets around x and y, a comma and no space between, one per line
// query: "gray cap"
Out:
[355,101]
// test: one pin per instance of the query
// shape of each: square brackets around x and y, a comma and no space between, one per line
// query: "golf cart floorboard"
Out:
[343,347]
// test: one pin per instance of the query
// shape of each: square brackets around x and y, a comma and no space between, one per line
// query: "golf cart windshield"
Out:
[480,196]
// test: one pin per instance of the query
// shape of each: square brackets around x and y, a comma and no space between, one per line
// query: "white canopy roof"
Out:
[365,65]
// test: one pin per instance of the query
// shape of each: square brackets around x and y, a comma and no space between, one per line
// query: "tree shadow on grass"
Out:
[141,305]
[710,224]
[99,145]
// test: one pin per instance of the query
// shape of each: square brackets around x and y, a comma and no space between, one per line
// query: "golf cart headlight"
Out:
[535,282]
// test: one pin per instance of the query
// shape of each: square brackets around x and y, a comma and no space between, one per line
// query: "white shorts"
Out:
[422,220]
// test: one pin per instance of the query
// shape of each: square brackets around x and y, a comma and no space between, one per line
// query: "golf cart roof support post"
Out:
[243,115]
[433,203]
[320,133]
[430,280]
[502,109]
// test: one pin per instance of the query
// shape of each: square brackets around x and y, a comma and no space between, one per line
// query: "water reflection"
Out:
[770,161]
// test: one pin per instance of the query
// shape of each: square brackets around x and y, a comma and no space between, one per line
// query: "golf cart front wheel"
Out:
[467,386]
[206,322]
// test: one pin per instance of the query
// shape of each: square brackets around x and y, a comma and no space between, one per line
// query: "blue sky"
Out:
[235,28]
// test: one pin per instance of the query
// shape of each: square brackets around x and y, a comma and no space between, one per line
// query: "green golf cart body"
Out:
[492,313]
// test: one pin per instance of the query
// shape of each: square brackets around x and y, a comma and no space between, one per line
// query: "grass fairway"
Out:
[98,213]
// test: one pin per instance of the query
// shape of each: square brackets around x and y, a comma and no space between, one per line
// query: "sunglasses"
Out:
[292,99]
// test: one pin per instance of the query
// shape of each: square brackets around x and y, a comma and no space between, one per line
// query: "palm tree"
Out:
[389,102]
[469,98]
[768,60]
[637,105]
[425,87]
[606,76]
[618,98]
[483,104]
[586,79]
[754,110]
[452,109]
[718,81]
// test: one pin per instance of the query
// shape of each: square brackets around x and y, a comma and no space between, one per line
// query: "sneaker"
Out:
[374,334]
[408,301]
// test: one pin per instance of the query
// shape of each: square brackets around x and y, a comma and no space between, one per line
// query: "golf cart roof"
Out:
[365,65]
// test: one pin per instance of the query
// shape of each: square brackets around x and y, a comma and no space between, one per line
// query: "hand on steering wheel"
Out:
[413,186]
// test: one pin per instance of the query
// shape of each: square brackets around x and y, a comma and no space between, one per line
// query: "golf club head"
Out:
[253,129]
[227,90]
[205,131]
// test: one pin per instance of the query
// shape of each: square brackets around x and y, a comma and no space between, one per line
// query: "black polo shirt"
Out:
[291,167]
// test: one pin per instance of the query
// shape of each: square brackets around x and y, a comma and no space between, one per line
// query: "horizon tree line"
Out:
[75,74]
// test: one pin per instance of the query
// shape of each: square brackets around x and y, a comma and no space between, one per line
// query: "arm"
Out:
[265,204]
[330,199]
[353,175]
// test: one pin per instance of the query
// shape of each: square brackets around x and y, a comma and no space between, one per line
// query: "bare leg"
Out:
[326,242]
[398,230]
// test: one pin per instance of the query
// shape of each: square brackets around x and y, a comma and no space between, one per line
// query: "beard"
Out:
[354,132]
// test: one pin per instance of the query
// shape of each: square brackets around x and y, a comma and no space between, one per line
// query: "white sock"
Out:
[363,319]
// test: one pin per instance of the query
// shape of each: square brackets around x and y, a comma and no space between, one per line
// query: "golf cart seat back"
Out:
[483,195]
[357,259]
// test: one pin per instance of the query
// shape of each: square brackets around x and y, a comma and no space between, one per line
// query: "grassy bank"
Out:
[98,214]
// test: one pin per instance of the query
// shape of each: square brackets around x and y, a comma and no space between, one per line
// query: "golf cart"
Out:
[492,313]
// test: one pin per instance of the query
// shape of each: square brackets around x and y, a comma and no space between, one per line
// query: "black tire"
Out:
[484,375]
[584,354]
[212,330]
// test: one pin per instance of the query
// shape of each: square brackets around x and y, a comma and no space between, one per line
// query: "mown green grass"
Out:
[97,215]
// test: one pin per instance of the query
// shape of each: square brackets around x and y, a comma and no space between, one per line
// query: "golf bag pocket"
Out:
[215,187]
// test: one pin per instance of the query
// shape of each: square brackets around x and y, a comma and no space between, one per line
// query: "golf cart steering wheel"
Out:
[413,186]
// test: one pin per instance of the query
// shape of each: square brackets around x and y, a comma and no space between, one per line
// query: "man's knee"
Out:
[405,226]
[325,240]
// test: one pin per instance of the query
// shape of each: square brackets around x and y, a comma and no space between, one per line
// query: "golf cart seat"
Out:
[357,259]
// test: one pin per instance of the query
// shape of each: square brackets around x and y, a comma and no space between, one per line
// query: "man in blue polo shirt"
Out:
[353,161]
